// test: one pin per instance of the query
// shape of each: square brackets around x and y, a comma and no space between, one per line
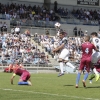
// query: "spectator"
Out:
[47,32]
[1,26]
[75,31]
[55,6]
[85,33]
[4,27]
[80,32]
[17,30]
[12,30]
[99,34]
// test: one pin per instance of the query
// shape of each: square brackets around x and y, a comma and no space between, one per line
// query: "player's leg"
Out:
[88,63]
[91,77]
[67,61]
[97,67]
[81,67]
[95,58]
[23,83]
[61,67]
[29,81]
[24,79]
[92,73]
[78,78]
[61,57]
[85,78]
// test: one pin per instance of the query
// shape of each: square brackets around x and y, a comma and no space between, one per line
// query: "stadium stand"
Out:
[36,50]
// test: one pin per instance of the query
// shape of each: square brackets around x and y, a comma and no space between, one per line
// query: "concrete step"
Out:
[52,60]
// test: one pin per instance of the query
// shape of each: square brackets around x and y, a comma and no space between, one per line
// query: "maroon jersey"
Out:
[97,66]
[20,71]
[87,49]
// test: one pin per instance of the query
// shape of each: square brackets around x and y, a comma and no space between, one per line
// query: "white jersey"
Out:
[96,42]
[96,55]
[64,41]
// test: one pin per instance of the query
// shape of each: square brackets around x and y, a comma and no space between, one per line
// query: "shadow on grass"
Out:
[93,87]
[75,87]
[68,85]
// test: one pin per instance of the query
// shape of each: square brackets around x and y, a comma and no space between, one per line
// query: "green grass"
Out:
[48,87]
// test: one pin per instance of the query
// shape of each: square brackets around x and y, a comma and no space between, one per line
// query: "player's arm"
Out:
[61,46]
[12,78]
[21,66]
[95,48]
[9,67]
[58,48]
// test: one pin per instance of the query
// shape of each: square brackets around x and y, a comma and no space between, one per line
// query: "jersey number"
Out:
[96,40]
[87,50]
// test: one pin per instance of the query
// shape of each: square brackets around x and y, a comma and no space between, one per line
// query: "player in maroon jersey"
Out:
[97,67]
[24,76]
[87,49]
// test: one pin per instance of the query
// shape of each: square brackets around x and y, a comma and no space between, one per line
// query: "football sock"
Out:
[78,78]
[61,67]
[86,76]
[70,65]
[22,83]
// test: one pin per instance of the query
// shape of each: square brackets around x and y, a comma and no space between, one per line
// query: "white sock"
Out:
[70,65]
[61,67]
[95,71]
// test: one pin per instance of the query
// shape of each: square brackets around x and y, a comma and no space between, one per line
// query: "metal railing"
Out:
[33,23]
[50,24]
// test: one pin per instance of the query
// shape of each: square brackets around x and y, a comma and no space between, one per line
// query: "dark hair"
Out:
[94,33]
[63,33]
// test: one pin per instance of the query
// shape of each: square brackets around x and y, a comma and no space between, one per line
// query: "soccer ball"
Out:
[57,25]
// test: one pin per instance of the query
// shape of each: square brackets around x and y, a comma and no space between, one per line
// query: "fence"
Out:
[34,68]
[39,30]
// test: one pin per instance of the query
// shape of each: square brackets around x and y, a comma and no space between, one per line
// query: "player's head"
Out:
[87,38]
[94,34]
[17,62]
[61,35]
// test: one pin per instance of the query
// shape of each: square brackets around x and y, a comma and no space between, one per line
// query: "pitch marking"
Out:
[49,94]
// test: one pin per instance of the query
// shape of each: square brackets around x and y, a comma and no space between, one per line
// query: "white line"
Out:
[74,97]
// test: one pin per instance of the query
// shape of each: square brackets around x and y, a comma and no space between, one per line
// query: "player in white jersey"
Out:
[64,53]
[95,55]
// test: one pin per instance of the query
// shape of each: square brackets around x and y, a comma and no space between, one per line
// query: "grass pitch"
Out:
[48,87]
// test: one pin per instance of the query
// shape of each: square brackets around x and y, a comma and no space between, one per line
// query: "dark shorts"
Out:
[25,76]
[85,62]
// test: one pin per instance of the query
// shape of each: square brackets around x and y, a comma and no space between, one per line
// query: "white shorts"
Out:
[95,57]
[64,54]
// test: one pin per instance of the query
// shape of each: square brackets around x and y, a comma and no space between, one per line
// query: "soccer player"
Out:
[18,64]
[24,76]
[9,69]
[64,53]
[87,49]
[95,55]
[97,67]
